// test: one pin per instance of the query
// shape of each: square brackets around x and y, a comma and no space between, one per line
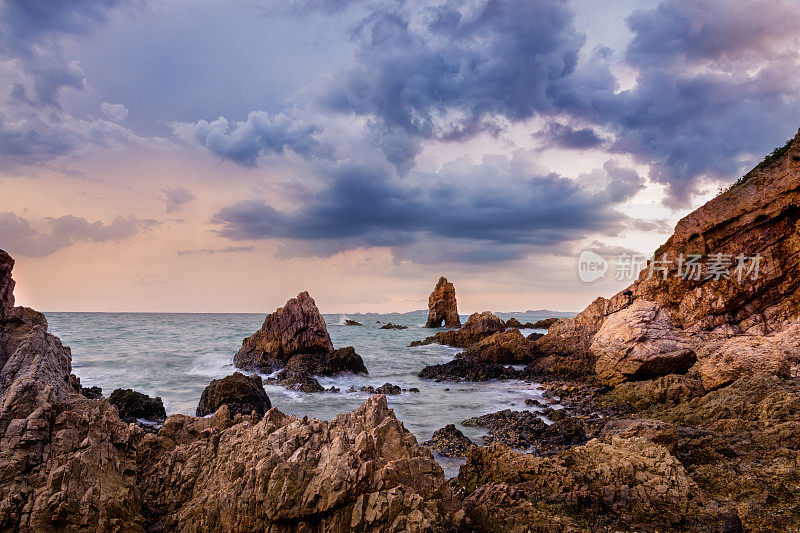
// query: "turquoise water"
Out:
[176,355]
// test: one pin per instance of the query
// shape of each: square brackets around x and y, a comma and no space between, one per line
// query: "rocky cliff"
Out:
[68,463]
[702,310]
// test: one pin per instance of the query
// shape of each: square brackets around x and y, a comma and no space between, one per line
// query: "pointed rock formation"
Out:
[295,328]
[442,307]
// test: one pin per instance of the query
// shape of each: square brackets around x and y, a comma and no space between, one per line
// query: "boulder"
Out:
[442,307]
[299,381]
[513,323]
[295,328]
[386,388]
[240,393]
[449,442]
[393,326]
[508,347]
[133,406]
[478,327]
[349,322]
[93,393]
[640,342]
[541,324]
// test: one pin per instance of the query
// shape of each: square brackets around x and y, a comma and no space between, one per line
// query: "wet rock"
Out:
[532,401]
[560,435]
[505,347]
[442,306]
[93,393]
[296,328]
[133,406]
[516,429]
[513,323]
[413,389]
[478,326]
[242,394]
[465,369]
[386,388]
[449,442]
[349,322]
[297,381]
[393,326]
[640,342]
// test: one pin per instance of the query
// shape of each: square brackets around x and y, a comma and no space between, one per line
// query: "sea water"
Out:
[175,356]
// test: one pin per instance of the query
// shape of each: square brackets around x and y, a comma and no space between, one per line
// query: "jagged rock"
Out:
[242,394]
[670,390]
[67,461]
[442,307]
[478,326]
[505,347]
[361,471]
[133,406]
[386,388]
[558,367]
[513,323]
[517,429]
[349,322]
[93,393]
[654,430]
[6,282]
[327,364]
[393,326]
[449,442]
[640,342]
[629,484]
[295,328]
[466,369]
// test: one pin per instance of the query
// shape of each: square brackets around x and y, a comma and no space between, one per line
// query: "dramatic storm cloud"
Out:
[479,134]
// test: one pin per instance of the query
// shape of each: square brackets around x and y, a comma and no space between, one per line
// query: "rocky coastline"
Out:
[679,411]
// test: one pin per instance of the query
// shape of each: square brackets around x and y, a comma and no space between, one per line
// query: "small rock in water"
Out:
[349,322]
[386,388]
[242,394]
[449,442]
[413,389]
[301,382]
[393,326]
[133,406]
[532,401]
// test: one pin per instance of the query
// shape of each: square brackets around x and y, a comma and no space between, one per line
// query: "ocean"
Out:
[175,356]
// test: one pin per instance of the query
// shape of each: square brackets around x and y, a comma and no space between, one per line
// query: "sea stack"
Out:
[295,328]
[294,339]
[442,307]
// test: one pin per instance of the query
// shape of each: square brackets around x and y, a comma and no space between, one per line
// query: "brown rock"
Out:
[442,307]
[640,342]
[295,328]
[6,282]
[627,484]
[508,347]
[449,442]
[478,326]
[362,471]
[242,394]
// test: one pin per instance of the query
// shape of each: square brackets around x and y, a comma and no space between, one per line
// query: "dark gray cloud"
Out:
[451,69]
[177,197]
[245,141]
[488,213]
[558,135]
[617,182]
[19,236]
[716,88]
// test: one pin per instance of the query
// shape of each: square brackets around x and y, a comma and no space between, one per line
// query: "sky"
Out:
[210,156]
